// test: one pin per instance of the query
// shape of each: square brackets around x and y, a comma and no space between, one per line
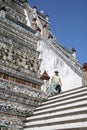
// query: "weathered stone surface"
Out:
[18,57]
[19,66]
[17,100]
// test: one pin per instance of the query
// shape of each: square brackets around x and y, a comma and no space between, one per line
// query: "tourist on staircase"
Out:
[55,84]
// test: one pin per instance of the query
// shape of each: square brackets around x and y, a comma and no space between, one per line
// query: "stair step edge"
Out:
[60,127]
[62,105]
[63,97]
[58,113]
[61,122]
[61,101]
[83,88]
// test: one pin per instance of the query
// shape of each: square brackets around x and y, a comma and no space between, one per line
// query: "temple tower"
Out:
[19,65]
[28,49]
[85,73]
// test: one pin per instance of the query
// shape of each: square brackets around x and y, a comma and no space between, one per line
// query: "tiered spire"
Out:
[45,76]
[85,66]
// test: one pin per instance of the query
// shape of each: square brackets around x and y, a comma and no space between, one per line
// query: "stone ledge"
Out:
[17,99]
[20,75]
[21,90]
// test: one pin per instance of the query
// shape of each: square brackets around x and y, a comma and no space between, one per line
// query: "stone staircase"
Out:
[65,111]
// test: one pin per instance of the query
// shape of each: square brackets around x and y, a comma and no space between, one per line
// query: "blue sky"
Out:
[68,19]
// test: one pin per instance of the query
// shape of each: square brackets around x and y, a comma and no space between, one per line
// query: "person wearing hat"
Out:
[57,80]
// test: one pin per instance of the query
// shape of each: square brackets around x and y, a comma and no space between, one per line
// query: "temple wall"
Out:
[24,56]
[20,84]
[85,77]
[52,61]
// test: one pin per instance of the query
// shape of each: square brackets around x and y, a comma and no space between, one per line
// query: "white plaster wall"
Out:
[51,61]
[27,18]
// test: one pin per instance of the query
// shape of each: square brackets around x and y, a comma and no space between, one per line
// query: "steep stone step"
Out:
[60,113]
[56,120]
[63,107]
[63,100]
[73,112]
[66,111]
[64,94]
[67,126]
